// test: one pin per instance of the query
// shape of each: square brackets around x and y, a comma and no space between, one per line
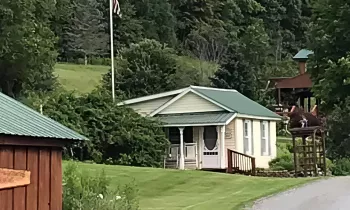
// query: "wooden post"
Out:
[279,96]
[253,167]
[308,104]
[295,157]
[314,154]
[305,156]
[324,152]
[229,161]
[302,102]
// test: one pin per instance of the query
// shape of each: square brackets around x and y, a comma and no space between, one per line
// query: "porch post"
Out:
[223,150]
[182,158]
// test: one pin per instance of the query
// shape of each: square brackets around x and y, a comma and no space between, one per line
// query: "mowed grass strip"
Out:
[80,78]
[174,189]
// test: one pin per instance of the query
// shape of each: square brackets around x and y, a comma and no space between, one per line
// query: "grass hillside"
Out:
[174,189]
[80,78]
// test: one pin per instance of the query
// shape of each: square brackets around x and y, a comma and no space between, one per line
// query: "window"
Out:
[265,138]
[247,137]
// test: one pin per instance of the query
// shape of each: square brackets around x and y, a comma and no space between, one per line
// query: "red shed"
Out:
[30,158]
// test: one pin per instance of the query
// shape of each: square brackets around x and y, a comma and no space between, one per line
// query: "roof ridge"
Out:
[212,88]
[153,96]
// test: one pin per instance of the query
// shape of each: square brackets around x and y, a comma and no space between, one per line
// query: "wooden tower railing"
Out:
[240,163]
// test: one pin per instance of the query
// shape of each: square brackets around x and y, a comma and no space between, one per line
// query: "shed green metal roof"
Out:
[236,102]
[18,119]
[218,118]
[303,54]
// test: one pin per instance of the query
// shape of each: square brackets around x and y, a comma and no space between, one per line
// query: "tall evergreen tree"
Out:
[85,34]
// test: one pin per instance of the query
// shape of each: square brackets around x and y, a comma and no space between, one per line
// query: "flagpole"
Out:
[112,45]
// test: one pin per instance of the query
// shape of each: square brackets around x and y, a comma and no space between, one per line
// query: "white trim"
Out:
[231,118]
[151,97]
[162,107]
[183,94]
[210,88]
[182,157]
[212,101]
[248,137]
[264,137]
[192,125]
[258,117]
[222,147]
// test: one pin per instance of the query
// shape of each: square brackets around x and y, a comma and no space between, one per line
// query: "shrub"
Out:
[100,61]
[284,159]
[341,167]
[82,191]
[117,134]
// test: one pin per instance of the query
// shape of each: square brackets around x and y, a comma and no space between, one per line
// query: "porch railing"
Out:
[190,153]
[240,163]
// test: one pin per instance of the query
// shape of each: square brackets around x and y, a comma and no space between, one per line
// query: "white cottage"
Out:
[203,124]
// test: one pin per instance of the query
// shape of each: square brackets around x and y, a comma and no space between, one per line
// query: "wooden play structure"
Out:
[295,91]
[310,152]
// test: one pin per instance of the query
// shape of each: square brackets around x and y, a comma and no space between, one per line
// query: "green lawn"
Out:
[80,78]
[173,189]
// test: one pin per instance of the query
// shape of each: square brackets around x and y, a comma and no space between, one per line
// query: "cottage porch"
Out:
[197,140]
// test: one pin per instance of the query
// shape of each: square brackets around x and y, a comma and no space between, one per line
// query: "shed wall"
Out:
[45,189]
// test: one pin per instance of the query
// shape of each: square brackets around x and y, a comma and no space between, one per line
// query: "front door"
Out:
[211,157]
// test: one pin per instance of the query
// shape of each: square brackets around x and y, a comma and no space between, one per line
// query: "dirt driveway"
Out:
[327,194]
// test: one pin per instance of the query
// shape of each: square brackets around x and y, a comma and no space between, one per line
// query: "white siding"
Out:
[191,103]
[239,135]
[145,108]
[261,161]
[230,138]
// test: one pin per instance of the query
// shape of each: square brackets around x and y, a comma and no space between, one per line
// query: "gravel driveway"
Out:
[327,194]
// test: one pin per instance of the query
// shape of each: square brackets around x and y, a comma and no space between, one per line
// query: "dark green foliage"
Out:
[338,141]
[284,159]
[145,68]
[330,69]
[236,73]
[117,133]
[27,51]
[82,190]
[341,167]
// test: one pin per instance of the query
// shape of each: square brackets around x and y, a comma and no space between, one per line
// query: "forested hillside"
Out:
[163,45]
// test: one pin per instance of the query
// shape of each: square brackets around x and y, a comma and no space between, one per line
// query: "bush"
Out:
[118,135]
[82,191]
[284,159]
[341,167]
[100,61]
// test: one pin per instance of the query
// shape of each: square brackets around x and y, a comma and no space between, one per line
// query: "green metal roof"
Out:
[236,102]
[18,119]
[303,54]
[196,119]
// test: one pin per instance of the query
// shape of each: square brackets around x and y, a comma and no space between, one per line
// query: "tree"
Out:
[330,69]
[143,69]
[85,34]
[27,54]
[235,73]
[157,19]
[117,134]
[329,41]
